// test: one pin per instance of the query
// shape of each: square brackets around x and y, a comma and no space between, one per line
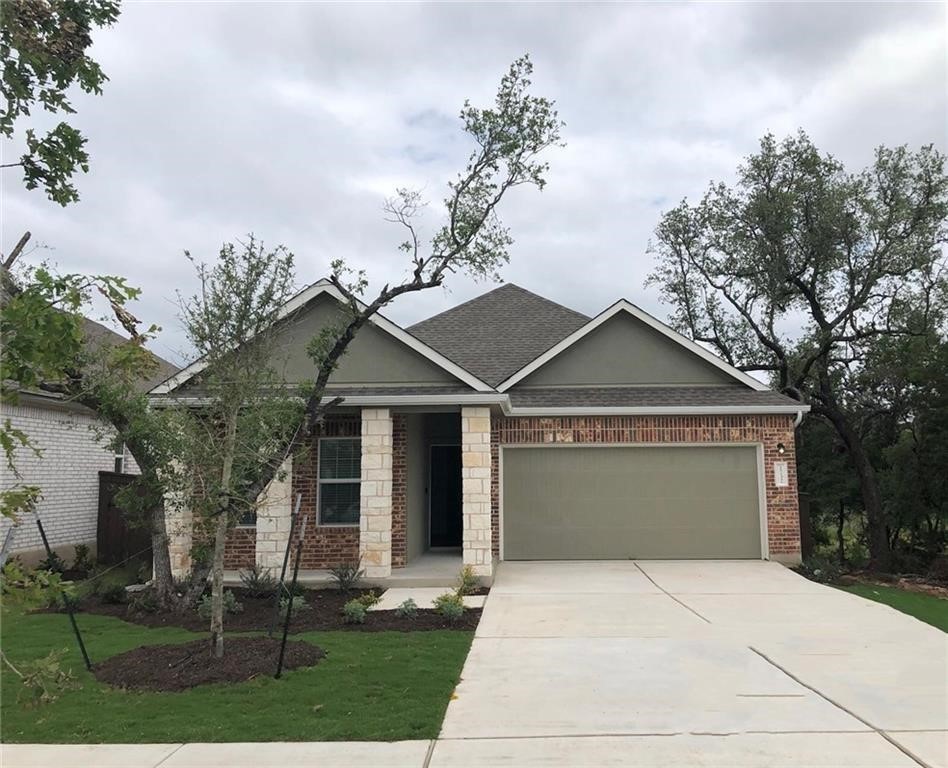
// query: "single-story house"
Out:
[513,428]
[76,449]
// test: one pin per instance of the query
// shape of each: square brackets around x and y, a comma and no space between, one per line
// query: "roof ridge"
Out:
[501,287]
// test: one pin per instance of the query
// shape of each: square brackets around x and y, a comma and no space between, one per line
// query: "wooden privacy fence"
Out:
[118,538]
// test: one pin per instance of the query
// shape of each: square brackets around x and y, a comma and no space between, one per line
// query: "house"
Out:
[75,447]
[513,428]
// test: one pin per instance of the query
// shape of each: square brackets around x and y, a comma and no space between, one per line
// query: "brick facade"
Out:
[399,491]
[240,549]
[783,524]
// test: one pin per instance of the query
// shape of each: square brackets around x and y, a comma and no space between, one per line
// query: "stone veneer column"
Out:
[274,515]
[179,525]
[375,523]
[475,489]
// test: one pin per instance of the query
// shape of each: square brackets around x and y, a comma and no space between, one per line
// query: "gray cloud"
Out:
[296,120]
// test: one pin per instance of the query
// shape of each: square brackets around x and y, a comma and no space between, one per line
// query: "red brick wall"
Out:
[783,525]
[240,549]
[399,491]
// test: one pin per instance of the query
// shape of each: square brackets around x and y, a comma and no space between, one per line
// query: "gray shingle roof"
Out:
[630,397]
[494,335]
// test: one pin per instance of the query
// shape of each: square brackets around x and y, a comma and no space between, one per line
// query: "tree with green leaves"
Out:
[797,269]
[44,47]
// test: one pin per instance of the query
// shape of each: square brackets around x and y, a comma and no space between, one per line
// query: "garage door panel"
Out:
[620,502]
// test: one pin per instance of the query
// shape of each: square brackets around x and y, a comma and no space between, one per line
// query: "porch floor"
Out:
[431,569]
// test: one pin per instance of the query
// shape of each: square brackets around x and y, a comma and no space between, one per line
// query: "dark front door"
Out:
[445,496]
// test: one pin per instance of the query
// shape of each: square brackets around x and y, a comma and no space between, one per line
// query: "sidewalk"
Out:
[331,754]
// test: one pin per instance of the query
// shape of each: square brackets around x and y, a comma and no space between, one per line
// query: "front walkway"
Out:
[722,664]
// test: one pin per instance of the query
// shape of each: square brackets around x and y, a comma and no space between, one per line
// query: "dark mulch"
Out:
[179,667]
[324,613]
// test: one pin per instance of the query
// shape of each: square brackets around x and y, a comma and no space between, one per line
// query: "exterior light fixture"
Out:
[781,449]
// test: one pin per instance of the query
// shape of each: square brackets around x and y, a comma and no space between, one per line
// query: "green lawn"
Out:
[371,686]
[932,610]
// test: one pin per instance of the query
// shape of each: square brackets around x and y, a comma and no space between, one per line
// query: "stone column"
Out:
[475,489]
[179,524]
[375,523]
[274,514]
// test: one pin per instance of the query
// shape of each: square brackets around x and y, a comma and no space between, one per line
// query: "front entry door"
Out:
[445,496]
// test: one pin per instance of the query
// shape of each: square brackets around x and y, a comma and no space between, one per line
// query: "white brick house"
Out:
[75,446]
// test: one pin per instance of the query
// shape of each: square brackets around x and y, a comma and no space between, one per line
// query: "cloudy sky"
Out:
[295,121]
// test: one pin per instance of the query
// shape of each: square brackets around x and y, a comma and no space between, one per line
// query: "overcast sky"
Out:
[295,121]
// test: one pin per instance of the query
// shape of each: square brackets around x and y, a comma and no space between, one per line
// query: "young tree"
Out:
[43,45]
[800,242]
[246,409]
[509,139]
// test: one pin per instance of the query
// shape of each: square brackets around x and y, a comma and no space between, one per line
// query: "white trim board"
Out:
[305,296]
[759,459]
[625,306]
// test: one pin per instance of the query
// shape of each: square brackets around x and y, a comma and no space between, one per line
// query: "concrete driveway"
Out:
[693,664]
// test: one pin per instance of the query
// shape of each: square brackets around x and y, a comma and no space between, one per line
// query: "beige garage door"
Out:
[610,503]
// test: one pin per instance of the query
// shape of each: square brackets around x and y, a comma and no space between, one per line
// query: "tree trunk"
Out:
[840,522]
[880,555]
[220,539]
[163,581]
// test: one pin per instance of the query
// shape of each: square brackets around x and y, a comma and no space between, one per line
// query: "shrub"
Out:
[231,605]
[369,599]
[468,583]
[299,605]
[112,593]
[407,610]
[82,561]
[820,569]
[347,575]
[144,602]
[450,605]
[258,582]
[52,563]
[353,612]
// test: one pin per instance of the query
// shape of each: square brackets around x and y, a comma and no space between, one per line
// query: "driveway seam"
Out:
[848,711]
[169,755]
[429,753]
[659,586]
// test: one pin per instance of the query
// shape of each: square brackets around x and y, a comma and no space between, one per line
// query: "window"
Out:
[340,475]
[120,458]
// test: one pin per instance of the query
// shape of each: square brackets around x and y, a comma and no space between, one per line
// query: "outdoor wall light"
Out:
[781,449]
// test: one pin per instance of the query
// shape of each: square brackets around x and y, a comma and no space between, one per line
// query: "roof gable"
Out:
[626,345]
[498,333]
[382,352]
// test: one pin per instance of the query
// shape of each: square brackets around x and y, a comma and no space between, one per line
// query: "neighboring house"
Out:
[514,428]
[75,448]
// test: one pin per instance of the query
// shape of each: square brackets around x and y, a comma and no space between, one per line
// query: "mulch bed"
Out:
[909,583]
[179,667]
[324,613]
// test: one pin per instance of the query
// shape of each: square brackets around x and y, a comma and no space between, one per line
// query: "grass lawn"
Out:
[928,608]
[371,686]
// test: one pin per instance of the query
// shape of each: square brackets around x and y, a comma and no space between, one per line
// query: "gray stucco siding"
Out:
[624,350]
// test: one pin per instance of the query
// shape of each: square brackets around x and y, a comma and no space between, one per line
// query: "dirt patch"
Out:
[908,583]
[323,612]
[179,667]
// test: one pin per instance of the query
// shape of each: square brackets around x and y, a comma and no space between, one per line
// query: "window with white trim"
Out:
[340,478]
[119,458]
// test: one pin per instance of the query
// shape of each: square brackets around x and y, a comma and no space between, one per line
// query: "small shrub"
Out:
[82,561]
[820,569]
[231,605]
[450,605]
[347,575]
[144,602]
[290,588]
[353,612]
[468,583]
[407,610]
[369,599]
[299,605]
[52,563]
[113,594]
[258,582]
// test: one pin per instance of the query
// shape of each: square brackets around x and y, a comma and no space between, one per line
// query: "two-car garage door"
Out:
[618,502]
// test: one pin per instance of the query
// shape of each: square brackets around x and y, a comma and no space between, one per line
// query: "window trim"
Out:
[334,481]
[118,459]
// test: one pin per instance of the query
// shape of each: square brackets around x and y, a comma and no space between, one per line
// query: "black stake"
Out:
[66,600]
[289,600]
[286,559]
